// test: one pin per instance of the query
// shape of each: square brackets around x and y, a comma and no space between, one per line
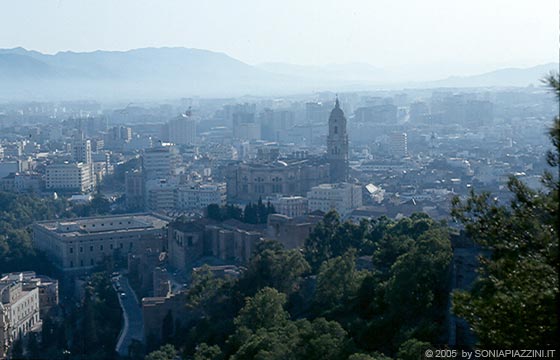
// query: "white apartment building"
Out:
[81,150]
[199,196]
[182,130]
[19,311]
[69,177]
[342,197]
[291,206]
[160,162]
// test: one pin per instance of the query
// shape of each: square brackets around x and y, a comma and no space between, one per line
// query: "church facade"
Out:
[249,181]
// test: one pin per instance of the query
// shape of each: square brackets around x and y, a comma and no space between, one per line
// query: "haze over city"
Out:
[443,38]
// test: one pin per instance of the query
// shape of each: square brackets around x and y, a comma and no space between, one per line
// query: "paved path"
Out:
[133,327]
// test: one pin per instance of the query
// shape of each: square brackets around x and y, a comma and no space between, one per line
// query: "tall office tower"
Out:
[315,112]
[337,145]
[398,144]
[245,127]
[134,190]
[182,130]
[81,151]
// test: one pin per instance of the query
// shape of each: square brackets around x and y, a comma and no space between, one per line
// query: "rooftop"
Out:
[105,224]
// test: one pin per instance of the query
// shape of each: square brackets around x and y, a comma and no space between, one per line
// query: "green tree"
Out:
[332,238]
[273,266]
[302,339]
[413,349]
[251,214]
[233,212]
[419,281]
[167,327]
[337,281]
[359,356]
[318,245]
[33,348]
[17,347]
[204,286]
[277,343]
[213,212]
[166,352]
[264,310]
[100,205]
[376,356]
[322,340]
[136,350]
[206,352]
[521,275]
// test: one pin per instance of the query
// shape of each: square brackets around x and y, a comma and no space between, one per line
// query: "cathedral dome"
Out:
[336,112]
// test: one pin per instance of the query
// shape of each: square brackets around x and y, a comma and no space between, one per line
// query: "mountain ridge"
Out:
[164,72]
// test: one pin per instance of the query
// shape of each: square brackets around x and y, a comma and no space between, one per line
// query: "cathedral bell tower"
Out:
[337,145]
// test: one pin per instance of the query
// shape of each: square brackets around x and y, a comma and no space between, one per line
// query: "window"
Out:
[81,249]
[91,248]
[276,184]
[101,247]
[71,250]
[336,129]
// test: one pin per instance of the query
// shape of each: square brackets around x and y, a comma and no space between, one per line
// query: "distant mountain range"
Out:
[501,77]
[156,73]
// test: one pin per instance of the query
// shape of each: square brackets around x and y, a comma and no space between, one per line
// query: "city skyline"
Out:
[219,180]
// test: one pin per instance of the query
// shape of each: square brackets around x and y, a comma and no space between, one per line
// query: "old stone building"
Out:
[229,241]
[251,181]
[19,311]
[78,245]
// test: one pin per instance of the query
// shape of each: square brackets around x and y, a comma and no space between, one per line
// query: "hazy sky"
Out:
[467,34]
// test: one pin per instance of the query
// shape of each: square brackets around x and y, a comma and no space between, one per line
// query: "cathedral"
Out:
[337,145]
[249,181]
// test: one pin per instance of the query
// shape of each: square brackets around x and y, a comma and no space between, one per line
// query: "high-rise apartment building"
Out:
[69,177]
[160,161]
[182,130]
[398,144]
